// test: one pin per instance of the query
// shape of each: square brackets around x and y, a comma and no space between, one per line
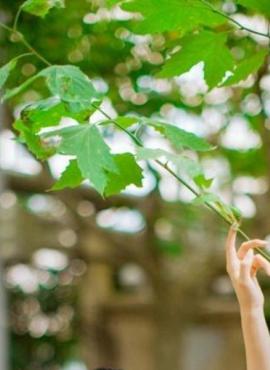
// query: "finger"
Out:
[259,262]
[246,266]
[256,243]
[231,255]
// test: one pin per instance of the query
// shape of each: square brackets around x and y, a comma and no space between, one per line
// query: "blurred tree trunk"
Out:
[172,309]
[169,327]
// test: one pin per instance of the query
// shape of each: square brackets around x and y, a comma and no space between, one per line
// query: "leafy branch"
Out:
[21,38]
[72,92]
[238,24]
[180,179]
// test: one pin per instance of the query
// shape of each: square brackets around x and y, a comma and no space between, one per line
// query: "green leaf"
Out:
[207,47]
[246,67]
[17,90]
[230,213]
[184,164]
[237,213]
[92,153]
[206,198]
[71,177]
[149,153]
[41,7]
[203,182]
[261,6]
[70,84]
[49,112]
[113,2]
[124,122]
[67,82]
[129,172]
[5,71]
[168,15]
[33,141]
[180,138]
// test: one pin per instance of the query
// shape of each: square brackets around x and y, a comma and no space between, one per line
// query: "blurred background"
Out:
[136,281]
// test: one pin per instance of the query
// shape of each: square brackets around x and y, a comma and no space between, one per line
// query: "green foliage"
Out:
[125,122]
[112,2]
[9,67]
[109,50]
[203,35]
[181,139]
[71,177]
[49,112]
[5,71]
[33,142]
[207,47]
[185,165]
[41,7]
[129,172]
[246,67]
[230,213]
[92,153]
[67,82]
[259,5]
[70,84]
[169,15]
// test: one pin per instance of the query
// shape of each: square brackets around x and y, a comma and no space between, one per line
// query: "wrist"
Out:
[252,311]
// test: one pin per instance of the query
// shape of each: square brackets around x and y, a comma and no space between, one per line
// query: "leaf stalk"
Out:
[238,24]
[182,181]
[133,137]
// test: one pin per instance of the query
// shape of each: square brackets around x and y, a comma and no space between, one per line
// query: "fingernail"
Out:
[249,253]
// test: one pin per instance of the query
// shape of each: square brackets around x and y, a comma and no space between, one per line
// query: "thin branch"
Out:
[23,40]
[17,16]
[34,51]
[182,181]
[133,137]
[238,24]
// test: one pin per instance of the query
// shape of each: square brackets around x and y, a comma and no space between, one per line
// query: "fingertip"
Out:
[250,253]
[234,227]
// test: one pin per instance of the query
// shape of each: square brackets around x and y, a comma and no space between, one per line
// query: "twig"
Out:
[238,24]
[133,137]
[179,179]
[23,40]
[17,16]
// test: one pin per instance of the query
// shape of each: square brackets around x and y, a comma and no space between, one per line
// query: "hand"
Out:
[242,267]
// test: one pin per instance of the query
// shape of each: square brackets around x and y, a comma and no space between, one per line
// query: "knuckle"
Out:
[244,264]
[244,245]
[256,241]
[243,283]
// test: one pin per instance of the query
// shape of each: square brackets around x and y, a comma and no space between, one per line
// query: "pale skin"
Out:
[242,266]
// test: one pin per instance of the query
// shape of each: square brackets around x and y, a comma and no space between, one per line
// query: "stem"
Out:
[34,51]
[22,56]
[238,24]
[134,138]
[17,16]
[7,28]
[23,40]
[182,181]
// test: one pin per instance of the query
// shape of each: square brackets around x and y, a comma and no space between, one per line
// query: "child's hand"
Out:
[242,267]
